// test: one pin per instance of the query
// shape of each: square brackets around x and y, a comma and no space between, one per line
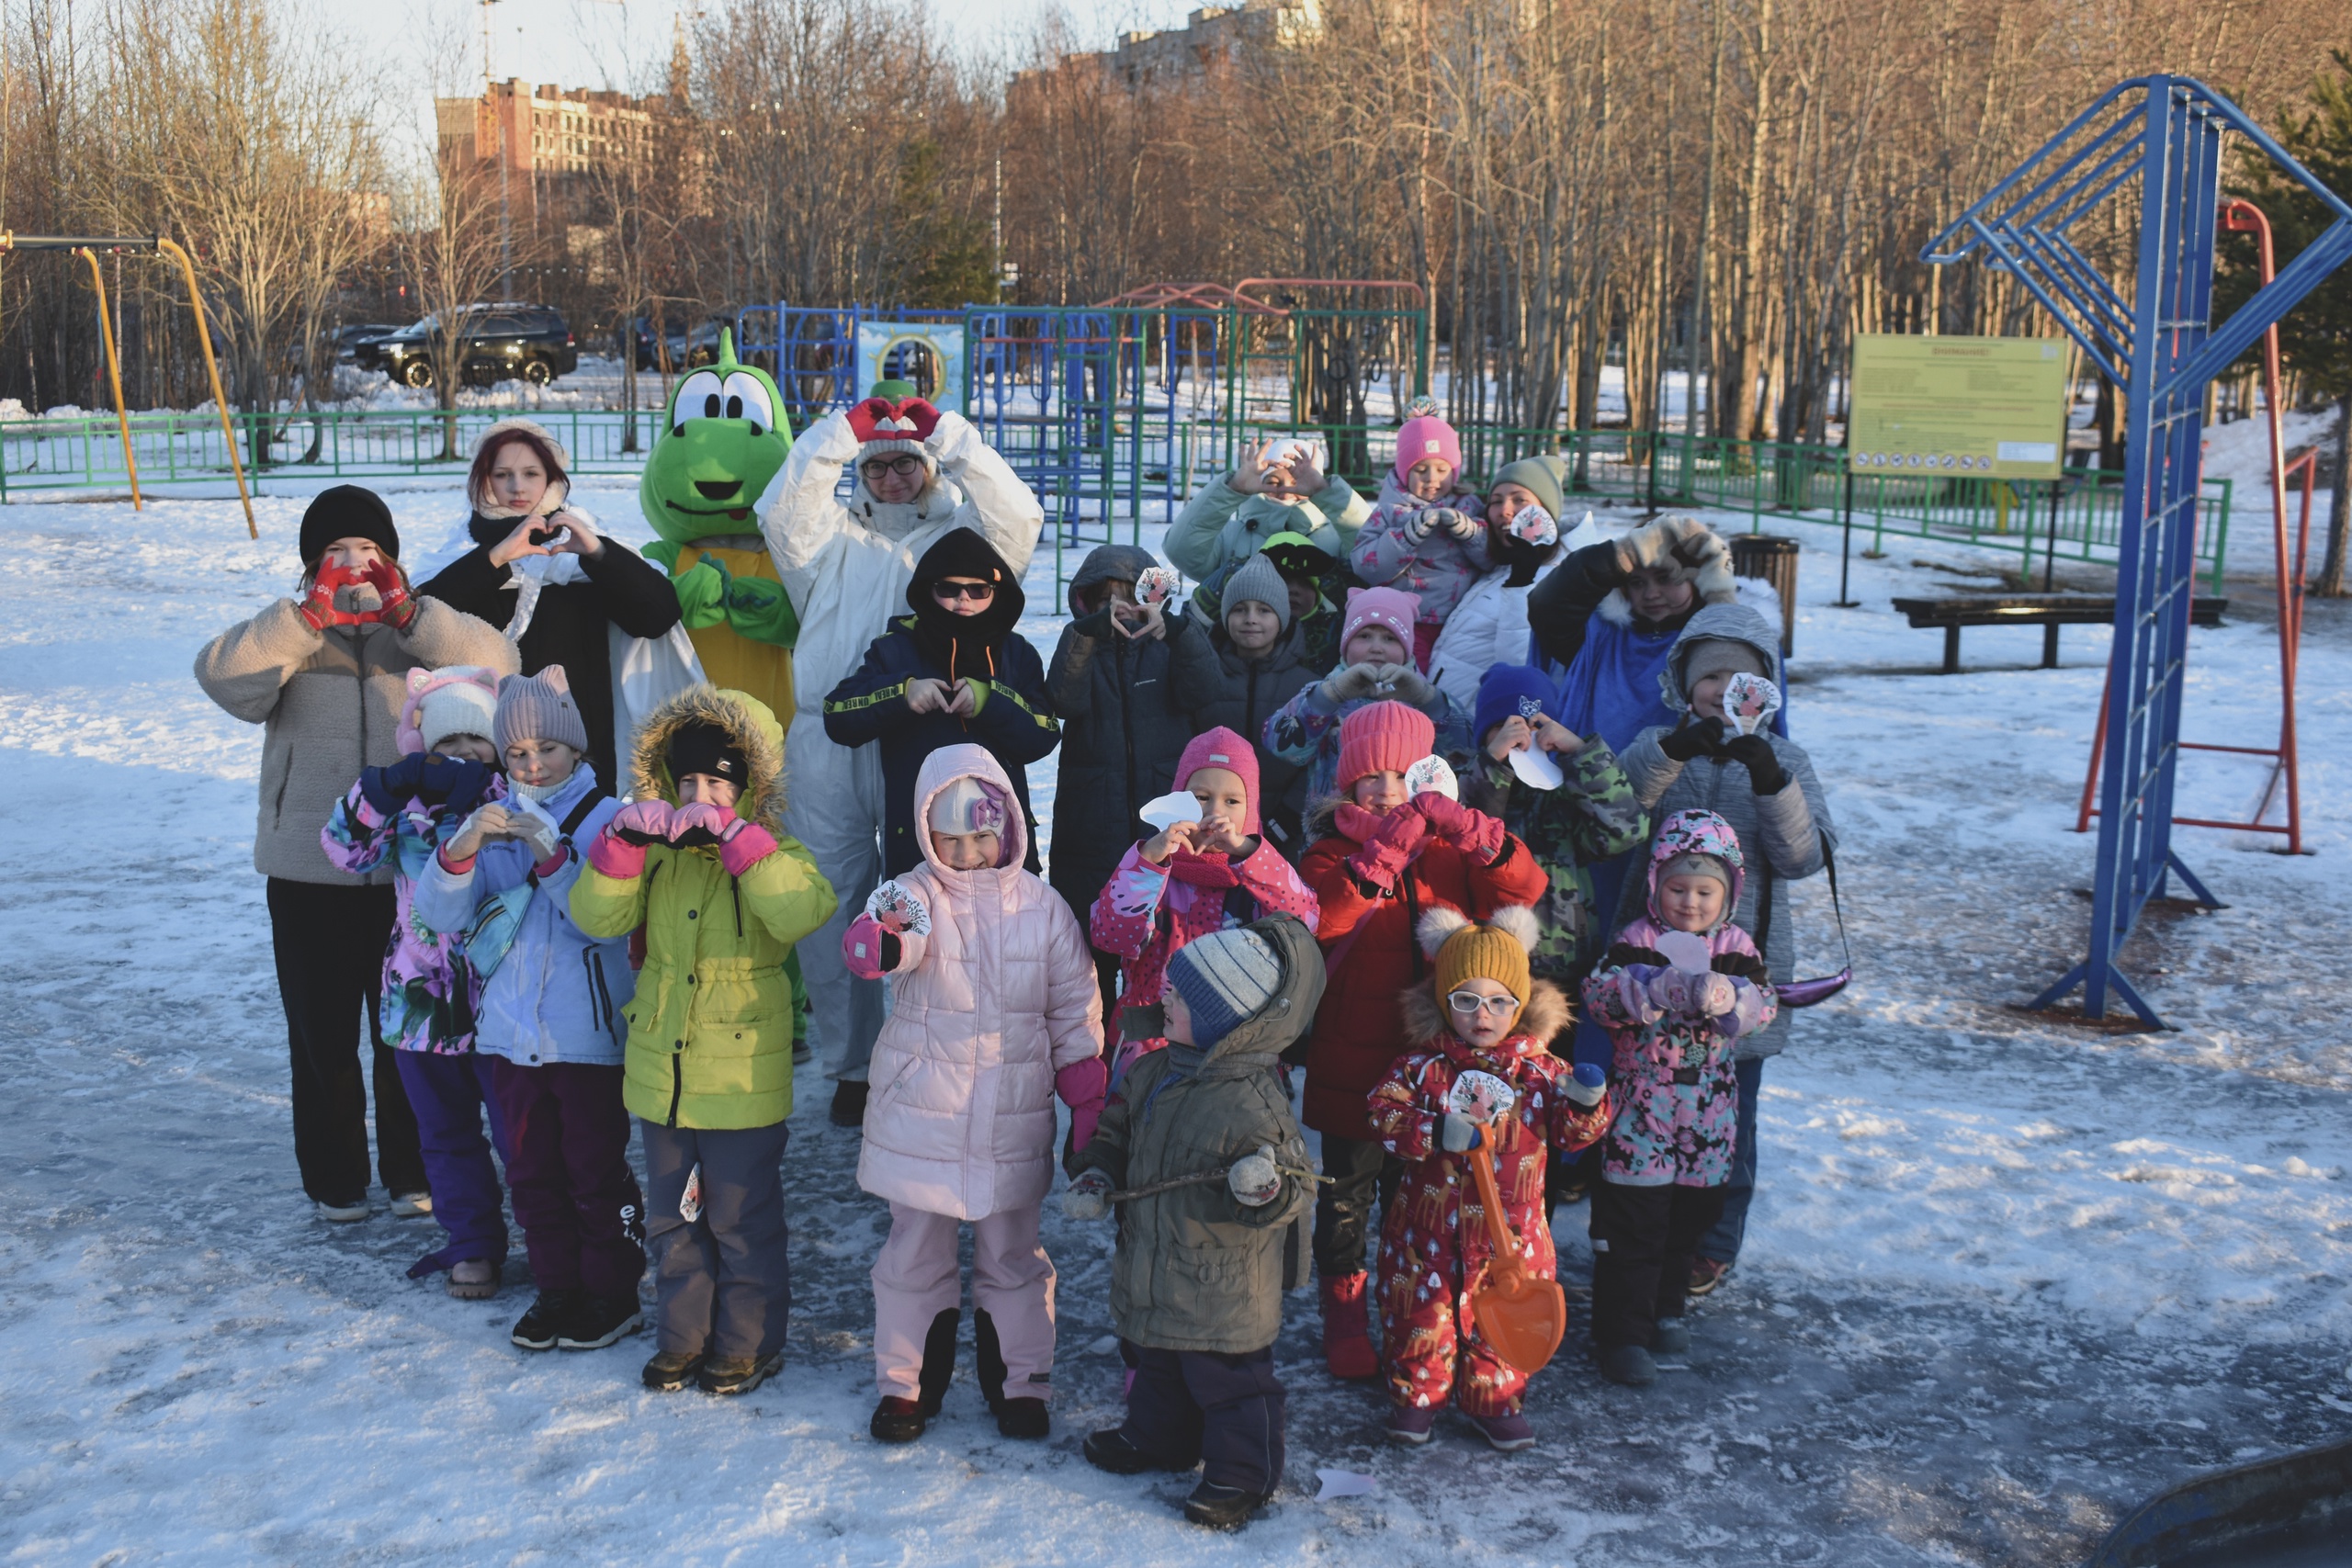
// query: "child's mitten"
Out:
[1409,683]
[742,845]
[1712,995]
[1460,1135]
[1765,774]
[387,789]
[1081,1085]
[1465,828]
[641,822]
[540,834]
[1254,1179]
[1703,739]
[393,605]
[1587,1086]
[1351,682]
[1418,524]
[698,822]
[1082,1199]
[869,948]
[1402,833]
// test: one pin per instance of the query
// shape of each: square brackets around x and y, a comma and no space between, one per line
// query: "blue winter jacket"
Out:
[558,995]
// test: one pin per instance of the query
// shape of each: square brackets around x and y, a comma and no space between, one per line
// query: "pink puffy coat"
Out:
[985,1010]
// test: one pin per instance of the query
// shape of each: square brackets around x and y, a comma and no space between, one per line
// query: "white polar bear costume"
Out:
[846,567]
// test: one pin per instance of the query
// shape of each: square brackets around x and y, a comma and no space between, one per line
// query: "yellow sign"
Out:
[1964,407]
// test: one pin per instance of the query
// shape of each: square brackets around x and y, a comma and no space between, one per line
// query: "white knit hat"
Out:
[460,707]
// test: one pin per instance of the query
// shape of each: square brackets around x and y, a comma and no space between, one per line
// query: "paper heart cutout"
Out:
[1537,769]
[1432,776]
[1481,1096]
[1179,806]
[895,906]
[1156,586]
[1749,702]
[1533,525]
[1686,951]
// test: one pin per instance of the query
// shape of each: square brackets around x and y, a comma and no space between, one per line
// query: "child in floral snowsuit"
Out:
[1482,1016]
[1676,1028]
[447,769]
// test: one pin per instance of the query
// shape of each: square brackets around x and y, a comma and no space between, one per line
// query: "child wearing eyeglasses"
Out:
[1679,988]
[952,672]
[1480,1074]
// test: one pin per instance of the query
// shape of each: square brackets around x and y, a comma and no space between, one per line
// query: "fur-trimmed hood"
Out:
[1750,592]
[1545,1018]
[746,722]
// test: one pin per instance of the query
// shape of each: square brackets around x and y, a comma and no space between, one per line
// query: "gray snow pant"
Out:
[722,1283]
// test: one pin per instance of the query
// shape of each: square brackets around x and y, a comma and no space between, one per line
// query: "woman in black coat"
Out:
[540,570]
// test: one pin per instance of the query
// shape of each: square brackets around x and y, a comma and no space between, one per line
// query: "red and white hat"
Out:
[882,425]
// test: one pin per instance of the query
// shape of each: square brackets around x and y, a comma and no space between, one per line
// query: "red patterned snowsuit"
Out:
[1433,1242]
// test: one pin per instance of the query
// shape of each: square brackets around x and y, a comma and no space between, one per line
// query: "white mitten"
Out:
[1254,1181]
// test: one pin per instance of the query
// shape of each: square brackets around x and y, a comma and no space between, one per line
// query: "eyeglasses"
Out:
[948,592]
[902,464]
[1467,1002]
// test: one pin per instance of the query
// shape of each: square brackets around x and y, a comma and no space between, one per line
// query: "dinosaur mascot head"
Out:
[726,438]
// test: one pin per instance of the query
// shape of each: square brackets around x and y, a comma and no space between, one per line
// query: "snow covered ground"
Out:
[2005,1275]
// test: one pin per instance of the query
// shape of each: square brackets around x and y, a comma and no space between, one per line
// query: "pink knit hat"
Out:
[1390,607]
[1425,438]
[1383,737]
[1221,748]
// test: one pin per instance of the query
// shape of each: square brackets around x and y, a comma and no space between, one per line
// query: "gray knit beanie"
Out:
[1257,580]
[539,707]
[1714,654]
[1226,979]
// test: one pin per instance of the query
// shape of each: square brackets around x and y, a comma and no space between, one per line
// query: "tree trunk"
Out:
[2339,507]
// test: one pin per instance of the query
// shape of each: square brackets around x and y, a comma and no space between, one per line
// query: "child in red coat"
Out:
[1388,859]
[1483,1075]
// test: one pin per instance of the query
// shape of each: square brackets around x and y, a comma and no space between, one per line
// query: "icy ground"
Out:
[2005,1275]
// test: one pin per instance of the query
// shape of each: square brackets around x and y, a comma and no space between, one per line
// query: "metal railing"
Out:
[1131,464]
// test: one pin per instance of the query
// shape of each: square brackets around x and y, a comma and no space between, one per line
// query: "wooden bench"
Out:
[2048,610]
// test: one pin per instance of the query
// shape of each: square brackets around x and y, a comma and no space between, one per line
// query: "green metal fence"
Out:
[1140,466]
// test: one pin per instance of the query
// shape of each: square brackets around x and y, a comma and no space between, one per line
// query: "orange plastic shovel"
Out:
[1522,1315]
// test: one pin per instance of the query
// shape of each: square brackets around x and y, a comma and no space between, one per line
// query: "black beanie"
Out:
[347,512]
[708,748]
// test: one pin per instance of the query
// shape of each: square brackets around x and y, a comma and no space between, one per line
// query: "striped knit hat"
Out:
[1226,979]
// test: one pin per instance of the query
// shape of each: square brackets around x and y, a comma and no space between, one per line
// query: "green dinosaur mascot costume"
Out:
[727,437]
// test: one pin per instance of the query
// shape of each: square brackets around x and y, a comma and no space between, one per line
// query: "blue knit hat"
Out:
[1509,689]
[1226,979]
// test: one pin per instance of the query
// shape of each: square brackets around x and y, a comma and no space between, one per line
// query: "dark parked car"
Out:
[348,339]
[506,342]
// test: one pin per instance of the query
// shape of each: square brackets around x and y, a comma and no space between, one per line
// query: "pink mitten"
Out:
[612,855]
[1465,828]
[1712,995]
[1081,1086]
[1402,834]
[700,814]
[640,823]
[742,845]
[862,948]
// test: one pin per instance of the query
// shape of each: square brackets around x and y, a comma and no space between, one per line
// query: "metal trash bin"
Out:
[1772,558]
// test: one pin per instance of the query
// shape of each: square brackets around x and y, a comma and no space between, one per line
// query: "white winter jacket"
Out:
[984,1011]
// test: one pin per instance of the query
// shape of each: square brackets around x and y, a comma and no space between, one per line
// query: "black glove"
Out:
[1703,739]
[1754,753]
[388,788]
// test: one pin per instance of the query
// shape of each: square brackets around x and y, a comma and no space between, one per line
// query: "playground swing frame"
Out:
[88,246]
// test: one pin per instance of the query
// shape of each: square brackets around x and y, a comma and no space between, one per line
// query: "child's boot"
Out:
[1347,1328]
[1706,1274]
[1411,1423]
[1222,1507]
[1023,1417]
[412,1205]
[896,1420]
[474,1278]
[1628,1364]
[738,1374]
[538,1328]
[1111,1449]
[670,1370]
[598,1321]
[1671,1338]
[1507,1432]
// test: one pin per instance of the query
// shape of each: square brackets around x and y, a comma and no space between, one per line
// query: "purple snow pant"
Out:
[575,1196]
[723,1280]
[448,1094]
[1224,1410]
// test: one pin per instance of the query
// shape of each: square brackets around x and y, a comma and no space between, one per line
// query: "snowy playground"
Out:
[2005,1275]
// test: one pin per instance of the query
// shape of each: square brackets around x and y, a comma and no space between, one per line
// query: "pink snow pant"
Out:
[916,1278]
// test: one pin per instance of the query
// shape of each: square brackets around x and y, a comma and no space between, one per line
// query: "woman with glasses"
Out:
[954,670]
[917,473]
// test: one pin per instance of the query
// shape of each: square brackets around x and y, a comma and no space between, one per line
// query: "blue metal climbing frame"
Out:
[2160,349]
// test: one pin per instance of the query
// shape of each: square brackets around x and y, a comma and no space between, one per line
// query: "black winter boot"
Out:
[1222,1507]
[597,1321]
[538,1328]
[938,1362]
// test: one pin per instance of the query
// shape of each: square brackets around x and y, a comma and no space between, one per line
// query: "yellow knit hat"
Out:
[1469,950]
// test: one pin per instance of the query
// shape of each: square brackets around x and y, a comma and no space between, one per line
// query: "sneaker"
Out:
[412,1205]
[849,1103]
[597,1321]
[1706,1274]
[1222,1507]
[738,1374]
[349,1213]
[1672,1337]
[1507,1433]
[898,1420]
[475,1280]
[1111,1450]
[550,1315]
[1023,1417]
[1411,1423]
[670,1370]
[1628,1364]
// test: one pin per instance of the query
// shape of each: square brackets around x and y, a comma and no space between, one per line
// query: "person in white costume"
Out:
[920,473]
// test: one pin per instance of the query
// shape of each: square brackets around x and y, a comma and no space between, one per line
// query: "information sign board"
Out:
[1970,407]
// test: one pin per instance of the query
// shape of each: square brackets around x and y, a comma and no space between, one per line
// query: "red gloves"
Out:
[393,605]
[1403,833]
[318,606]
[1471,832]
[1081,1086]
[396,609]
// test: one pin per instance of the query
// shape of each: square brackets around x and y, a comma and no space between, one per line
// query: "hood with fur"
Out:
[746,722]
[1545,1018]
